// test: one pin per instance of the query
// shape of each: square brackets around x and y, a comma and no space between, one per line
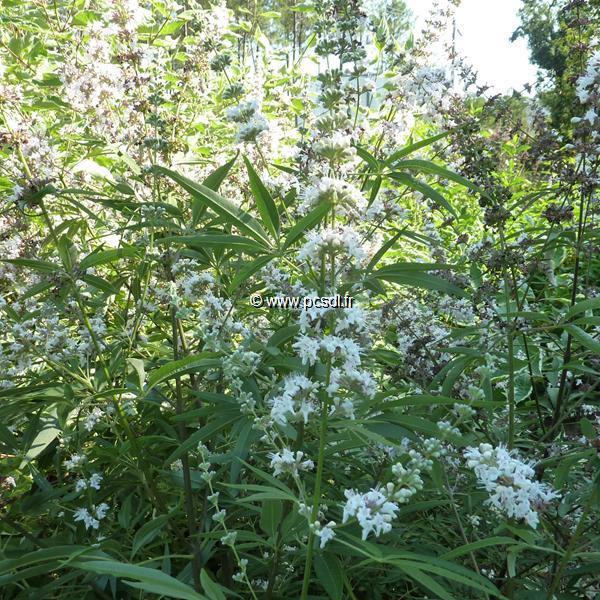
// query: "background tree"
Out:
[560,36]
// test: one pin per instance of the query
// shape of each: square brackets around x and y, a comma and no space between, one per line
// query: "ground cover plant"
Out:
[292,308]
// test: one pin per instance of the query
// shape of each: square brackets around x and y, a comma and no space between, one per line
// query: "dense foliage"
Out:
[291,316]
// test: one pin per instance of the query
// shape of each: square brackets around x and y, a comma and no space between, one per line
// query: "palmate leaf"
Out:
[40,561]
[478,545]
[147,533]
[248,270]
[223,207]
[211,589]
[49,431]
[583,306]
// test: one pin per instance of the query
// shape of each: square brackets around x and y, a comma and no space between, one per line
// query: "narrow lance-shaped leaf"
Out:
[38,265]
[204,360]
[419,279]
[425,189]
[414,147]
[213,181]
[585,338]
[213,240]
[264,202]
[106,256]
[306,223]
[330,573]
[223,207]
[143,578]
[426,166]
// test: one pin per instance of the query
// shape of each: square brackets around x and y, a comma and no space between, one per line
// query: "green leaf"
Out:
[413,147]
[264,202]
[138,366]
[425,189]
[467,548]
[244,434]
[330,574]
[414,274]
[196,362]
[270,517]
[426,166]
[224,419]
[213,181]
[37,265]
[213,240]
[402,268]
[379,254]
[211,589]
[427,582]
[106,256]
[583,306]
[248,270]
[368,158]
[283,335]
[585,338]
[145,534]
[588,429]
[223,207]
[149,580]
[307,222]
[49,432]
[101,284]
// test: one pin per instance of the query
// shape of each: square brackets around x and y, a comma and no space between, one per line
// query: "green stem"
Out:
[319,479]
[187,480]
[510,390]
[569,552]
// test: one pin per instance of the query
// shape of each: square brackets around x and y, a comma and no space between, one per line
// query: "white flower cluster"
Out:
[286,462]
[241,363]
[345,373]
[376,509]
[510,483]
[325,533]
[93,482]
[347,199]
[588,92]
[408,483]
[216,322]
[250,120]
[75,461]
[341,241]
[296,402]
[587,83]
[92,419]
[373,510]
[91,519]
[337,146]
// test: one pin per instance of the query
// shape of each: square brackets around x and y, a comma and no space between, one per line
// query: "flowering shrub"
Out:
[165,436]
